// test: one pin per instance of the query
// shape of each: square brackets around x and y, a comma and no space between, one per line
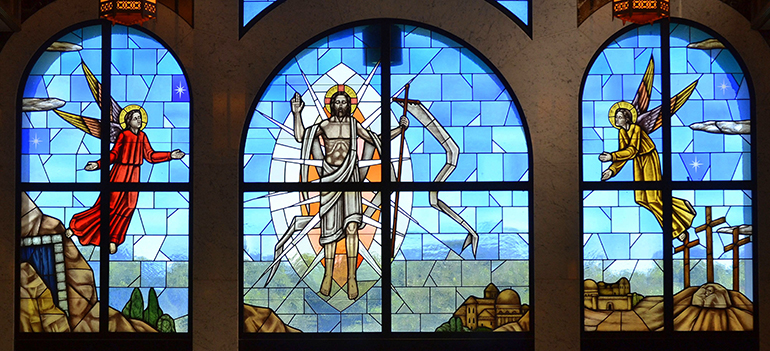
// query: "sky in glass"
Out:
[58,140]
[464,127]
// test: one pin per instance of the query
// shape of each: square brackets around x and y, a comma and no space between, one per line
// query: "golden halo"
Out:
[131,108]
[337,88]
[622,104]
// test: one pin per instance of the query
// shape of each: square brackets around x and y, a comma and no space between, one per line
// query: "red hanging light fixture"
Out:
[640,11]
[127,12]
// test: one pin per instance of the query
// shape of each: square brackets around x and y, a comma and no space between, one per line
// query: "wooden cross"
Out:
[709,242]
[686,245]
[736,265]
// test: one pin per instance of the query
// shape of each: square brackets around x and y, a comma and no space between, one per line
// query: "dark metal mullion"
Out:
[625,185]
[405,186]
[386,158]
[666,192]
[754,192]
[104,204]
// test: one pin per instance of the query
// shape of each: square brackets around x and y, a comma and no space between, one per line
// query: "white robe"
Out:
[338,209]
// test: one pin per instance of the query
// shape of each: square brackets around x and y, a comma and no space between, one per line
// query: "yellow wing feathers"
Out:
[679,99]
[649,74]
[88,125]
[96,88]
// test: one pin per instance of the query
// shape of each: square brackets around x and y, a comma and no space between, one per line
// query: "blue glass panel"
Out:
[252,8]
[719,213]
[294,290]
[615,76]
[716,114]
[519,8]
[153,80]
[337,60]
[461,93]
[621,244]
[432,263]
[49,144]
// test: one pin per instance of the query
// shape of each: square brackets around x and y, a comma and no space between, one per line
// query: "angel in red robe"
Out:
[131,148]
[129,152]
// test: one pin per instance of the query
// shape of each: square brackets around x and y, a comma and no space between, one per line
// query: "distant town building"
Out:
[494,310]
[608,297]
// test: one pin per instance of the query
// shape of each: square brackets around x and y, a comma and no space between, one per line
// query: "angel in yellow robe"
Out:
[634,143]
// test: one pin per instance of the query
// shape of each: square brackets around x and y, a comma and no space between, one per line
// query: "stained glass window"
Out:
[518,10]
[138,279]
[252,10]
[457,182]
[667,190]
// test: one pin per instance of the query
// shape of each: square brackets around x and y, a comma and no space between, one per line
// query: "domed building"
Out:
[494,310]
[508,307]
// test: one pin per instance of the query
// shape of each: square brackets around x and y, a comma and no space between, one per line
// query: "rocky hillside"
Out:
[697,308]
[38,311]
[263,320]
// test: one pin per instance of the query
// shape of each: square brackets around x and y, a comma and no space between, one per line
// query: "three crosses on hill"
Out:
[708,227]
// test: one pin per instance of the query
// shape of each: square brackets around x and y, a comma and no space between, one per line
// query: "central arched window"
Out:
[351,225]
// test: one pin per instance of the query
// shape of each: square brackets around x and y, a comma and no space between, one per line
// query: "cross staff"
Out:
[709,242]
[398,177]
[734,246]
[686,245]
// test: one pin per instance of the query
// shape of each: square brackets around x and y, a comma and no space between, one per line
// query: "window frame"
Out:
[386,339]
[102,339]
[628,340]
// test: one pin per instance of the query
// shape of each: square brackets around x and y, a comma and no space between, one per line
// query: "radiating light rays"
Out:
[304,227]
[372,117]
[368,81]
[285,128]
[318,104]
[434,241]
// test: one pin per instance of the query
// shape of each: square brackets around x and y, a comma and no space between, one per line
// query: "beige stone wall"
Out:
[225,74]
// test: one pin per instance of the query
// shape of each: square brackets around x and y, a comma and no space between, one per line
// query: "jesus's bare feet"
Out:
[326,284]
[352,282]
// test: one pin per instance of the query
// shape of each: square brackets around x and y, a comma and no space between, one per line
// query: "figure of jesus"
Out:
[131,148]
[340,212]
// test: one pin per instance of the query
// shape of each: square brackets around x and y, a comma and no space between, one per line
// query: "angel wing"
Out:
[89,125]
[652,120]
[642,99]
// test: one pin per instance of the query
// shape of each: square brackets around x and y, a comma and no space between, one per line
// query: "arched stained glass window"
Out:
[99,95]
[457,183]
[667,184]
[520,11]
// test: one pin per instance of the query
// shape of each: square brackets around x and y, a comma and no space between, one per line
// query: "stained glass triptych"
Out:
[313,259]
[62,137]
[707,143]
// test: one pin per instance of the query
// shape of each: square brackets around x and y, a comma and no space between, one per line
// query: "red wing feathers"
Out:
[652,120]
[642,99]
